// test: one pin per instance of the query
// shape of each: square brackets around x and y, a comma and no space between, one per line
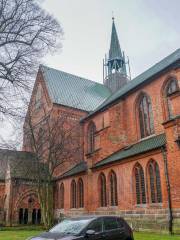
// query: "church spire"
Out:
[115,50]
[115,65]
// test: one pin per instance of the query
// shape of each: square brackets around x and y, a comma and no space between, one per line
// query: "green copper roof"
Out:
[73,91]
[143,146]
[78,168]
[115,50]
[142,78]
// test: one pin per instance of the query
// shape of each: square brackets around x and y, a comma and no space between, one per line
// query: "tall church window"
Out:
[145,116]
[113,189]
[171,88]
[91,137]
[103,194]
[80,193]
[154,182]
[61,199]
[73,194]
[38,97]
[40,141]
[139,185]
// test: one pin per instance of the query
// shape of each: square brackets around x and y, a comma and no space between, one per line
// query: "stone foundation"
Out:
[147,220]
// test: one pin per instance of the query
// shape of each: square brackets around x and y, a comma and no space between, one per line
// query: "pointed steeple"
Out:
[115,64]
[115,49]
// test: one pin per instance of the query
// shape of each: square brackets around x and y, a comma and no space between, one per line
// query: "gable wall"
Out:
[73,117]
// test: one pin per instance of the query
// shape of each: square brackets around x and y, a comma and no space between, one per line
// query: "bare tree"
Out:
[27,33]
[54,141]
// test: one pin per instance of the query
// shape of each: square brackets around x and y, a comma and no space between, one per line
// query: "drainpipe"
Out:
[170,214]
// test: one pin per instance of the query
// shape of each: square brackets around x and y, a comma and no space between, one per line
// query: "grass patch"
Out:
[23,233]
[17,235]
[154,236]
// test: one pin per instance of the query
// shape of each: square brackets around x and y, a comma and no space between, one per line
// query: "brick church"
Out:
[129,160]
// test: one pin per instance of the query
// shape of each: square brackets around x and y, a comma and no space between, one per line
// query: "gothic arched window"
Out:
[154,182]
[38,97]
[91,137]
[171,88]
[73,194]
[61,199]
[145,116]
[80,193]
[40,141]
[103,194]
[139,184]
[113,189]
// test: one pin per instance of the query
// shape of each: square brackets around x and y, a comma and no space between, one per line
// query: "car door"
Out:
[122,229]
[97,226]
[112,231]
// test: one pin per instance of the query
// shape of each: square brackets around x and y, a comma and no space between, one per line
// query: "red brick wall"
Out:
[118,127]
[123,120]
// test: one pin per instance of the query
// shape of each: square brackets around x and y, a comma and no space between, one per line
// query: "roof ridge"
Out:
[14,150]
[74,75]
[74,167]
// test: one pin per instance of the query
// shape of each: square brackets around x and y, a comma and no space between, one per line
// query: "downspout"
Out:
[170,213]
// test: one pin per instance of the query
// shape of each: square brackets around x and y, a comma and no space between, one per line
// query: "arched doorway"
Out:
[28,209]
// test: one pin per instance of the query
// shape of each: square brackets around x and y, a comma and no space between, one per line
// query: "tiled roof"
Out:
[142,78]
[73,91]
[78,168]
[143,146]
[21,165]
[18,162]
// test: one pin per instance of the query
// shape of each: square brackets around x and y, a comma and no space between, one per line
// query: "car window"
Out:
[110,223]
[120,223]
[96,225]
[71,226]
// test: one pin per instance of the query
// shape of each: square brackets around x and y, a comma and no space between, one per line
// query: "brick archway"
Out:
[27,209]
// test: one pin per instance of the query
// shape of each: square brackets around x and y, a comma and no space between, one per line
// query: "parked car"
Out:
[89,227]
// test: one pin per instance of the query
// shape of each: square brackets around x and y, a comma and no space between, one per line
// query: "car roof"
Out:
[91,217]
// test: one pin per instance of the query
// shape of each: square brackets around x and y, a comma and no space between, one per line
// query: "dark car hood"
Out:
[54,236]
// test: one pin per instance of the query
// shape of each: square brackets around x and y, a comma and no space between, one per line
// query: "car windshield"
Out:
[70,226]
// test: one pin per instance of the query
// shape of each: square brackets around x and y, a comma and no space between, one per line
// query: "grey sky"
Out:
[148,31]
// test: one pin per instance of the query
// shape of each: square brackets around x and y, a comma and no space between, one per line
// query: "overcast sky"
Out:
[148,31]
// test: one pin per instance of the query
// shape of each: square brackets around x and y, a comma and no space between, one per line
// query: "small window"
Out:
[154,182]
[91,137]
[139,184]
[38,98]
[113,189]
[110,223]
[40,141]
[96,225]
[61,196]
[73,194]
[103,194]
[80,193]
